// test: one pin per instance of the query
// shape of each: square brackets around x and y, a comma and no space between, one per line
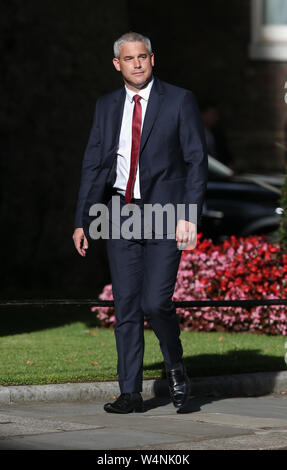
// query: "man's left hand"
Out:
[186,235]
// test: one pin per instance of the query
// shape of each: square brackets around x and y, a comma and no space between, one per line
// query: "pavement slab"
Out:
[208,423]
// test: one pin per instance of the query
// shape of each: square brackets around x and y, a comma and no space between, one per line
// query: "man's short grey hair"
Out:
[131,37]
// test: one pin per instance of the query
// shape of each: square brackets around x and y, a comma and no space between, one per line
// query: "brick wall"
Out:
[203,46]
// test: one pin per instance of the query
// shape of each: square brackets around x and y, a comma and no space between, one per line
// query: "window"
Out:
[268,30]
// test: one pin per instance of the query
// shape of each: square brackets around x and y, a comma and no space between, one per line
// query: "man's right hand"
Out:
[80,241]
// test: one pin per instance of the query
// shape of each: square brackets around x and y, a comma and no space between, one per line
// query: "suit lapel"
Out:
[152,110]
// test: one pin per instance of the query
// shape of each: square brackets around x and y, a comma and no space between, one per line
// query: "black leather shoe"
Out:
[178,384]
[126,403]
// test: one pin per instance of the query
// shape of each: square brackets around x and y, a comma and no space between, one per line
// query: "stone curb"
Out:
[253,384]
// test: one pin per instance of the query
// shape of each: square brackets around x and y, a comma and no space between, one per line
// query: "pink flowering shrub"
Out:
[238,268]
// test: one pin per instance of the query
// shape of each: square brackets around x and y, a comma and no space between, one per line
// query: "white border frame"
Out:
[268,42]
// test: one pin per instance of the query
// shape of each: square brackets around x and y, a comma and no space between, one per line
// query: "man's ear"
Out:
[152,59]
[116,63]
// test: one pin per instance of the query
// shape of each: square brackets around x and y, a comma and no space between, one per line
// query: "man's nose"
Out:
[137,63]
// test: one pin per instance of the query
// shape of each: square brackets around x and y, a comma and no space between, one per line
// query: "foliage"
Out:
[238,268]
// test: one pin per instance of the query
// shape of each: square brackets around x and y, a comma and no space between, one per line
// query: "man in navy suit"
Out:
[146,147]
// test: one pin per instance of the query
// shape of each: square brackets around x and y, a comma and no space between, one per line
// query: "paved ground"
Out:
[208,423]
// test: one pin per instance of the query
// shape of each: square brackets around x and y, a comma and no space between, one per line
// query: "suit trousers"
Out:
[143,273]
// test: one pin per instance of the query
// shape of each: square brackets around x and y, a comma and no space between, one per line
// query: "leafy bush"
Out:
[238,268]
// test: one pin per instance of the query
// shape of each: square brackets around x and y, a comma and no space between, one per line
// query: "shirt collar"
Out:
[144,93]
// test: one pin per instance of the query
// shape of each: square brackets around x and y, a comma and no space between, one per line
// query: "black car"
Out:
[240,204]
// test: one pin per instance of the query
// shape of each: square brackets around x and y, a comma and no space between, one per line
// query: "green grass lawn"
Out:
[76,352]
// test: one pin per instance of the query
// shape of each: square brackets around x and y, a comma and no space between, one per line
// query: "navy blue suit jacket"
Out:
[173,157]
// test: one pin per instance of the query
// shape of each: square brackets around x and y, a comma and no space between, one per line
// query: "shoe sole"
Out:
[133,410]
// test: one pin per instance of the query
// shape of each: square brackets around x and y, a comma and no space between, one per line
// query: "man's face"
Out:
[135,65]
[210,117]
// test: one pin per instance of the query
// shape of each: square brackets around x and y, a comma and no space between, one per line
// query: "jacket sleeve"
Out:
[90,167]
[193,144]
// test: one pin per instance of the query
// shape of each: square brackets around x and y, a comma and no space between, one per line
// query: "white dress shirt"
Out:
[125,141]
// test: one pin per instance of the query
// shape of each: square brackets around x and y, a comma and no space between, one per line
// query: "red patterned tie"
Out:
[136,139]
